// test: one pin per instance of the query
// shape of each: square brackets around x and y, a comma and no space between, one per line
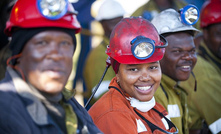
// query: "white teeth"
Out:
[185,66]
[144,88]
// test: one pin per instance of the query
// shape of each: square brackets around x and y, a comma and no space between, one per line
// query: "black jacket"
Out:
[18,117]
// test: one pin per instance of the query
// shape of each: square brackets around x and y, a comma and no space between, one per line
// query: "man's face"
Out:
[213,39]
[180,56]
[46,60]
[140,81]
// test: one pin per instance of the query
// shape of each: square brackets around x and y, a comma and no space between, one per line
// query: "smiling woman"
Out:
[140,81]
[129,106]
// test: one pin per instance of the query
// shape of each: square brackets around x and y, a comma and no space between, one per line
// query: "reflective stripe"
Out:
[102,89]
[140,126]
[173,111]
[215,127]
[165,122]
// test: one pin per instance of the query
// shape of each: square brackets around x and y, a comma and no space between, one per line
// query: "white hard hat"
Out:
[106,9]
[169,21]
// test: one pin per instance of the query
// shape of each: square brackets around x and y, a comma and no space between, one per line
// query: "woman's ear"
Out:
[118,78]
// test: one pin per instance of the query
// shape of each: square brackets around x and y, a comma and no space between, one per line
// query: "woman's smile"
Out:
[144,89]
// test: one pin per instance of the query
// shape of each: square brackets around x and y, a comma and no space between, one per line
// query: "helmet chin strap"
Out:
[142,106]
[108,63]
[14,66]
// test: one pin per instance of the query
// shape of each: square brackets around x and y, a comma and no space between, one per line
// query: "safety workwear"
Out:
[33,14]
[210,13]
[131,40]
[116,105]
[142,106]
[107,9]
[170,21]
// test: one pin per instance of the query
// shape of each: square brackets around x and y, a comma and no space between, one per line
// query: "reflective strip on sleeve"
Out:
[165,122]
[140,126]
[215,127]
[102,89]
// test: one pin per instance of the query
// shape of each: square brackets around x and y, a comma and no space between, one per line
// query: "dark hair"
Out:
[115,65]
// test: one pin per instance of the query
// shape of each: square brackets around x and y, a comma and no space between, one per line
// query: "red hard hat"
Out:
[210,13]
[126,31]
[25,14]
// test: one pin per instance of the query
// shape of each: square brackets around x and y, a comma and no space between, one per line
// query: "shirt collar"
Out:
[168,81]
[172,84]
[36,109]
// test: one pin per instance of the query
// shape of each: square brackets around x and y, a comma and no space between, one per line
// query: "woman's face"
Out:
[140,81]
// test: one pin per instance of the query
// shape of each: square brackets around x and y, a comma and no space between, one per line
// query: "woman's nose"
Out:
[144,76]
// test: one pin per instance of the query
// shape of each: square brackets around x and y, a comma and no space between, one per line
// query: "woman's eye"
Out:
[154,67]
[133,69]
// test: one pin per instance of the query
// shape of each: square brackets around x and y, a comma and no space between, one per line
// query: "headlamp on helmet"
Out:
[189,14]
[143,48]
[53,9]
